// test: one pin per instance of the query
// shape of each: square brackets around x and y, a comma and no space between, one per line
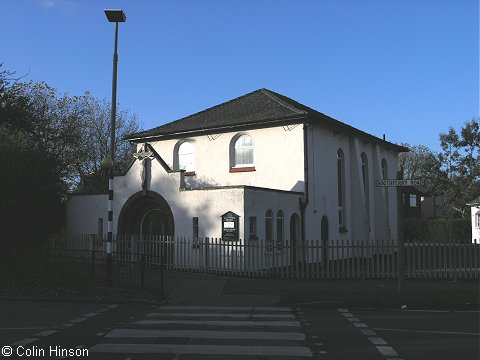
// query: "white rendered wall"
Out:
[323,195]
[83,212]
[278,159]
[207,205]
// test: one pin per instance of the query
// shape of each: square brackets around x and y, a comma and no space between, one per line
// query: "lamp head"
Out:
[115,15]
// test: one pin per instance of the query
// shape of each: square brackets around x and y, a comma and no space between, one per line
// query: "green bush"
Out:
[438,230]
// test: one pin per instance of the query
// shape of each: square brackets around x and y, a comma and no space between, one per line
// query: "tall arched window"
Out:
[186,157]
[244,151]
[269,230]
[279,230]
[341,189]
[477,219]
[384,169]
[365,182]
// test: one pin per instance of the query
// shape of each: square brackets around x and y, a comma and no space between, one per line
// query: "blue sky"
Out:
[406,68]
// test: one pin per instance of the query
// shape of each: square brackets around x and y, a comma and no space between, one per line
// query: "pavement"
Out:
[208,289]
[184,288]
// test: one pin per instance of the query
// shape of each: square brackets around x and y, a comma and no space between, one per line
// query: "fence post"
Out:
[93,266]
[400,265]
[161,278]
[206,254]
[142,271]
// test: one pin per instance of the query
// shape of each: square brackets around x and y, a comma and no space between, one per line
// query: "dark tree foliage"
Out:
[454,172]
[50,145]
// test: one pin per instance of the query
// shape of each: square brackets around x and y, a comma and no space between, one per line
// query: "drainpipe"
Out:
[303,201]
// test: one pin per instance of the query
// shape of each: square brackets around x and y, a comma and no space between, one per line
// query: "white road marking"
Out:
[68,325]
[46,333]
[223,315]
[91,314]
[353,319]
[78,320]
[24,342]
[190,349]
[220,323]
[360,325]
[387,351]
[342,310]
[348,315]
[112,306]
[368,332]
[232,308]
[431,331]
[204,334]
[377,340]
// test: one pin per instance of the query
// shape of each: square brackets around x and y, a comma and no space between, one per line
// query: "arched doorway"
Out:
[146,215]
[295,250]
[324,239]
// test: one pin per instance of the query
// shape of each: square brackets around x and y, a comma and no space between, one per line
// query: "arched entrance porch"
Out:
[146,215]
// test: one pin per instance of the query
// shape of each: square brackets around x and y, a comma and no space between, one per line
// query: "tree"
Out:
[96,144]
[460,171]
[419,163]
[454,172]
[51,144]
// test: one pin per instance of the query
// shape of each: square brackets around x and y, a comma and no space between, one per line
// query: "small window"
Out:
[252,228]
[186,157]
[268,230]
[413,200]
[279,230]
[196,240]
[477,220]
[244,151]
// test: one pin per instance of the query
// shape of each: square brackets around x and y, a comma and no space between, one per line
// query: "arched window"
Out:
[186,157]
[269,230]
[365,182]
[384,169]
[341,189]
[477,219]
[244,151]
[279,230]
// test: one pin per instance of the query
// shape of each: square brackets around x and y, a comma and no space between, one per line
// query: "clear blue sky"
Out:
[407,68]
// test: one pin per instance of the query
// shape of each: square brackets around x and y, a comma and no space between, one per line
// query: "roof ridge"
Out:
[271,95]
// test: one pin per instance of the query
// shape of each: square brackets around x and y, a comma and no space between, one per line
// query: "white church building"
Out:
[261,167]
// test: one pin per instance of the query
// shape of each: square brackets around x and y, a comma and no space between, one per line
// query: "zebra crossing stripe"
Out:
[231,308]
[205,334]
[193,349]
[223,315]
[219,323]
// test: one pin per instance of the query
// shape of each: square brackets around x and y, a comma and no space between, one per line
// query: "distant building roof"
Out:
[261,107]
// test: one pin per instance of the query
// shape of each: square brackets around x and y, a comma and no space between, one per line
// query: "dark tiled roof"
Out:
[255,108]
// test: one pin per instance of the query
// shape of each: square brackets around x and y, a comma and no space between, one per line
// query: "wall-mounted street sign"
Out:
[230,226]
[404,182]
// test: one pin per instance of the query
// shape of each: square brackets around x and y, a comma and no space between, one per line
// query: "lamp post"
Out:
[116,16]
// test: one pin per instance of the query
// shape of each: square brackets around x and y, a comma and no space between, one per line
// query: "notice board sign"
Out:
[230,229]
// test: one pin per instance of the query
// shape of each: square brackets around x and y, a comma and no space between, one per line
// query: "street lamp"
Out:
[116,16]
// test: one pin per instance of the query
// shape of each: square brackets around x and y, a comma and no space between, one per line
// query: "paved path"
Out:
[209,292]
